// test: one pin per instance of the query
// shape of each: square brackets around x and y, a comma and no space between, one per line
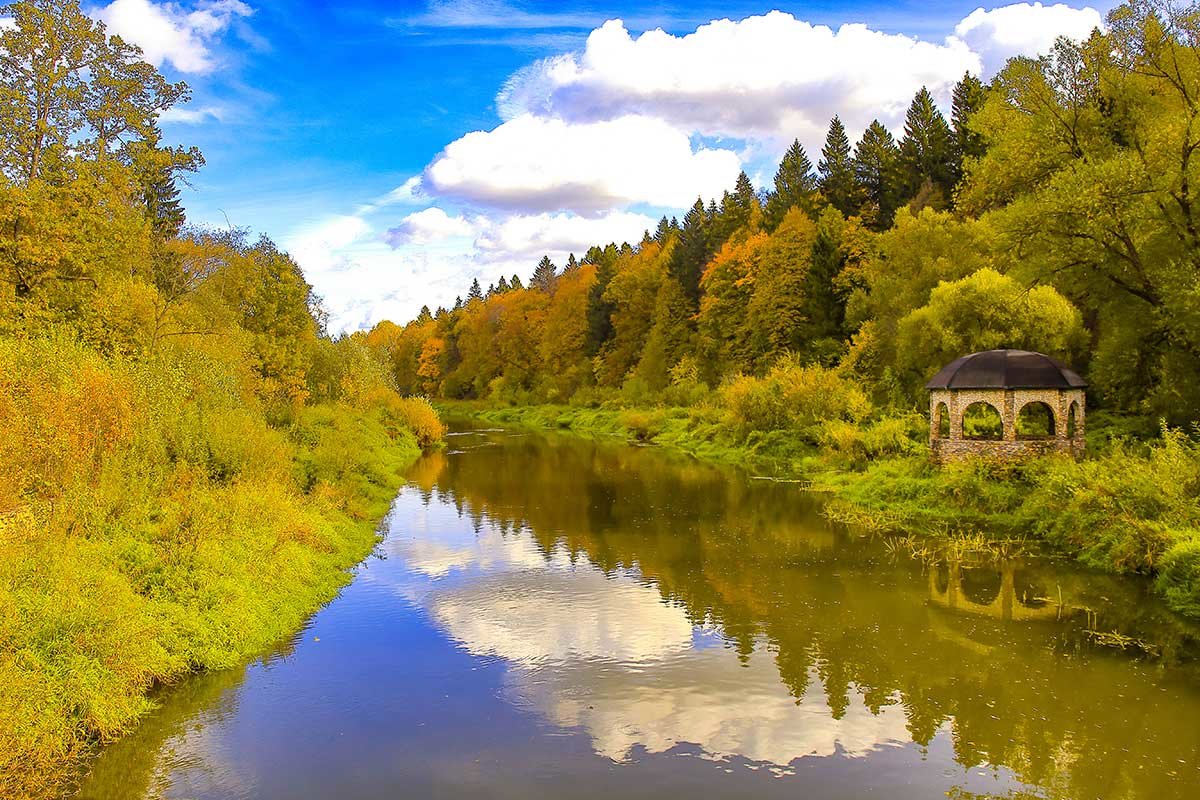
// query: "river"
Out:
[549,616]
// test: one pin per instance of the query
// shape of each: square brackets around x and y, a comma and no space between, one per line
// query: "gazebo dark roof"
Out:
[1006,369]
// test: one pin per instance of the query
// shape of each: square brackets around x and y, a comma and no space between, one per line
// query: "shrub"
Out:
[1179,574]
[792,396]
[420,417]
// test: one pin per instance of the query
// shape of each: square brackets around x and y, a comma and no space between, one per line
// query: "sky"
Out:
[400,150]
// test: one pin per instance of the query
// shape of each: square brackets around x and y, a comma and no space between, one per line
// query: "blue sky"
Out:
[399,150]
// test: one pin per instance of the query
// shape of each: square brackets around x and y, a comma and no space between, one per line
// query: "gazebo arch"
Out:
[1009,381]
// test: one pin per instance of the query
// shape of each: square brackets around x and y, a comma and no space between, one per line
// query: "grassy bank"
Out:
[1130,507]
[156,520]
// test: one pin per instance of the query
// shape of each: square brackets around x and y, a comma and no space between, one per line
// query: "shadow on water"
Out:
[558,617]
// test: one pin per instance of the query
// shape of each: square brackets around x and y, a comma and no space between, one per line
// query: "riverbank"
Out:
[1128,508]
[156,521]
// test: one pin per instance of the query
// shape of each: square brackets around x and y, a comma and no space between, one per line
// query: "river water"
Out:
[554,617]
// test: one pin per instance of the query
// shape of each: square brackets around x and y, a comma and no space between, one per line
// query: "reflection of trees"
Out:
[1018,685]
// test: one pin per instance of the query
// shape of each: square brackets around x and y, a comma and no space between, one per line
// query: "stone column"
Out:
[1008,413]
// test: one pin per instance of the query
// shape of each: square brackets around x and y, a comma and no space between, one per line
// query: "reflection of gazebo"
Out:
[1039,402]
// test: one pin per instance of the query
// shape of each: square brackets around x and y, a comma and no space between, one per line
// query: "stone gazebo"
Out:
[1039,401]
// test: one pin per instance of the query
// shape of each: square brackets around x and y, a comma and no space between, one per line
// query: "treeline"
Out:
[188,462]
[1054,211]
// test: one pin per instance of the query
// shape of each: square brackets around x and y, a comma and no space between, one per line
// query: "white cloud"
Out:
[168,32]
[541,164]
[532,236]
[1023,29]
[776,77]
[429,225]
[192,116]
[771,76]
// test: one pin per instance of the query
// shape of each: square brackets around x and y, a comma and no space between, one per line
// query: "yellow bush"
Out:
[792,396]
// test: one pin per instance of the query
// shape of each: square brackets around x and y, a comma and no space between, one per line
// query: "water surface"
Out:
[552,617]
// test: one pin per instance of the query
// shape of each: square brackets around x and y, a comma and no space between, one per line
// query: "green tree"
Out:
[691,252]
[986,311]
[838,182]
[795,187]
[875,167]
[544,276]
[926,161]
[968,97]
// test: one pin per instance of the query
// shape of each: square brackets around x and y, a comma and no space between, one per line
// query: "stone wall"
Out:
[1008,402]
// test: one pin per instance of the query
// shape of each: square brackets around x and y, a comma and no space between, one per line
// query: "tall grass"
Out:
[153,523]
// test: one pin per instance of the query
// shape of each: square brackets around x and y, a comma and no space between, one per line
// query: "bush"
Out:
[420,417]
[792,396]
[1179,574]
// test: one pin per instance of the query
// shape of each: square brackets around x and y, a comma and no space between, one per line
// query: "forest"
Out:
[189,463]
[1054,211]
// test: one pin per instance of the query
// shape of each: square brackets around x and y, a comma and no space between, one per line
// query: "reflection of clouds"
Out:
[559,614]
[606,654]
[709,699]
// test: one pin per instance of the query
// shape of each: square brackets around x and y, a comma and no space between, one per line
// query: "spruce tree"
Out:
[515,283]
[163,208]
[662,231]
[691,253]
[836,170]
[502,285]
[544,277]
[968,97]
[458,303]
[795,186]
[926,151]
[475,293]
[875,169]
[572,264]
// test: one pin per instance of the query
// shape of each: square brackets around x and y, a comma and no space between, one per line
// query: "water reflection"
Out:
[826,644]
[553,617]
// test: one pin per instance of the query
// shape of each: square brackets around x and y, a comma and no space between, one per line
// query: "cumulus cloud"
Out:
[171,33]
[1023,29]
[774,76]
[428,225]
[764,76]
[545,164]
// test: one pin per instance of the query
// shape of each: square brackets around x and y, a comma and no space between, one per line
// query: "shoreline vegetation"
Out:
[190,464]
[1130,507]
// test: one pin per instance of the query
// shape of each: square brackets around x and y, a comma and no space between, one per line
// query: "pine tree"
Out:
[163,208]
[691,252]
[502,285]
[968,97]
[458,303]
[875,160]
[425,314]
[572,264]
[663,230]
[515,283]
[795,186]
[475,293]
[836,170]
[544,277]
[926,151]
[825,301]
